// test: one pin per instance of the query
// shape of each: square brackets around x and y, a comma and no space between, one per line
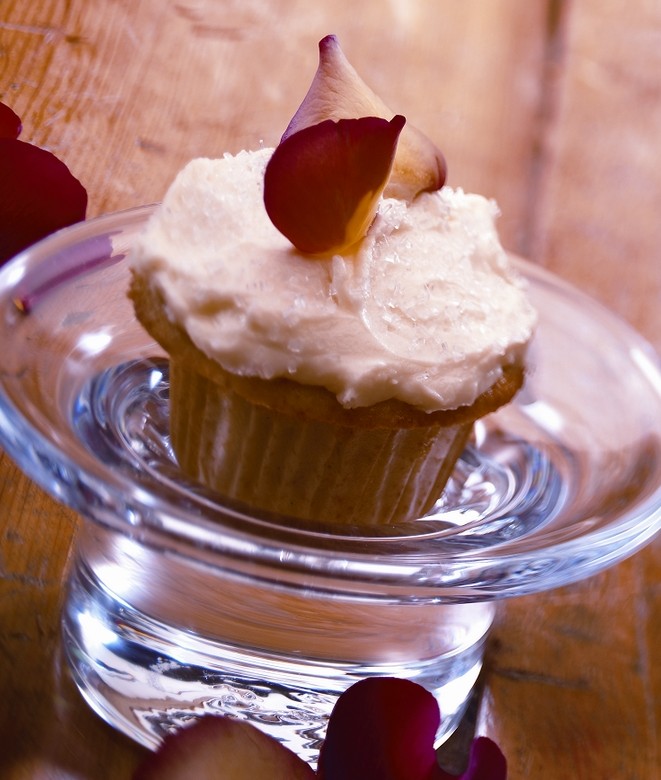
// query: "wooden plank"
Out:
[573,687]
[551,698]
[598,207]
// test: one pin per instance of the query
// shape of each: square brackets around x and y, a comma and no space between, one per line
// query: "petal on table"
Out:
[381,729]
[38,195]
[10,123]
[220,748]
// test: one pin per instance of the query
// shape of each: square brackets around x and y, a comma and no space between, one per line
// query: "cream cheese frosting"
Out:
[425,309]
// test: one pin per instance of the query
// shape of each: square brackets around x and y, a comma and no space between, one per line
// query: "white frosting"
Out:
[427,309]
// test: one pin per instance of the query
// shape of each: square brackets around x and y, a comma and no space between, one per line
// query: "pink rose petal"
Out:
[219,748]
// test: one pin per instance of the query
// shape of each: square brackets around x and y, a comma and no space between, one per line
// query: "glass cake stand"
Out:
[181,603]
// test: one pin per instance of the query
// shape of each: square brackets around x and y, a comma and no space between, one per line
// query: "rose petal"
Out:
[486,761]
[220,748]
[323,183]
[381,729]
[38,195]
[338,92]
[10,123]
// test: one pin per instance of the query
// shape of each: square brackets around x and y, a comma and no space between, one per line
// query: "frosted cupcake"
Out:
[333,382]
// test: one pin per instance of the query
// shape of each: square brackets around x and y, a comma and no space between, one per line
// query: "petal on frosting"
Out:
[38,195]
[323,183]
[10,123]
[381,729]
[338,92]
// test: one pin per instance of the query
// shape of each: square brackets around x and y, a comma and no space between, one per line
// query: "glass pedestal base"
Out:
[275,659]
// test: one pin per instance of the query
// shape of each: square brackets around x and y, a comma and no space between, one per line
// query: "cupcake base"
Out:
[310,469]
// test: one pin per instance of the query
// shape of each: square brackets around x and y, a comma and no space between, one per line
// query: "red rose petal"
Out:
[338,92]
[381,729]
[38,195]
[10,123]
[219,748]
[322,184]
[486,762]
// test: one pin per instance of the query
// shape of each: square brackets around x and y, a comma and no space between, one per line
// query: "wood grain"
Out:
[550,107]
[572,688]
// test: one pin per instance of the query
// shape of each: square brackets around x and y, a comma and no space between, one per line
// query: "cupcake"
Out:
[328,364]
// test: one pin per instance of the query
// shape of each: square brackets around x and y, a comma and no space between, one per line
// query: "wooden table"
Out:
[552,107]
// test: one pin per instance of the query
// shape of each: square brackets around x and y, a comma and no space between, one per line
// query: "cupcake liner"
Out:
[309,469]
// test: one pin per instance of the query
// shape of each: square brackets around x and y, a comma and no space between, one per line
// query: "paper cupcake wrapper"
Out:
[306,468]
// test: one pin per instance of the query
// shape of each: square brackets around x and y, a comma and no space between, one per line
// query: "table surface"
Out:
[551,107]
